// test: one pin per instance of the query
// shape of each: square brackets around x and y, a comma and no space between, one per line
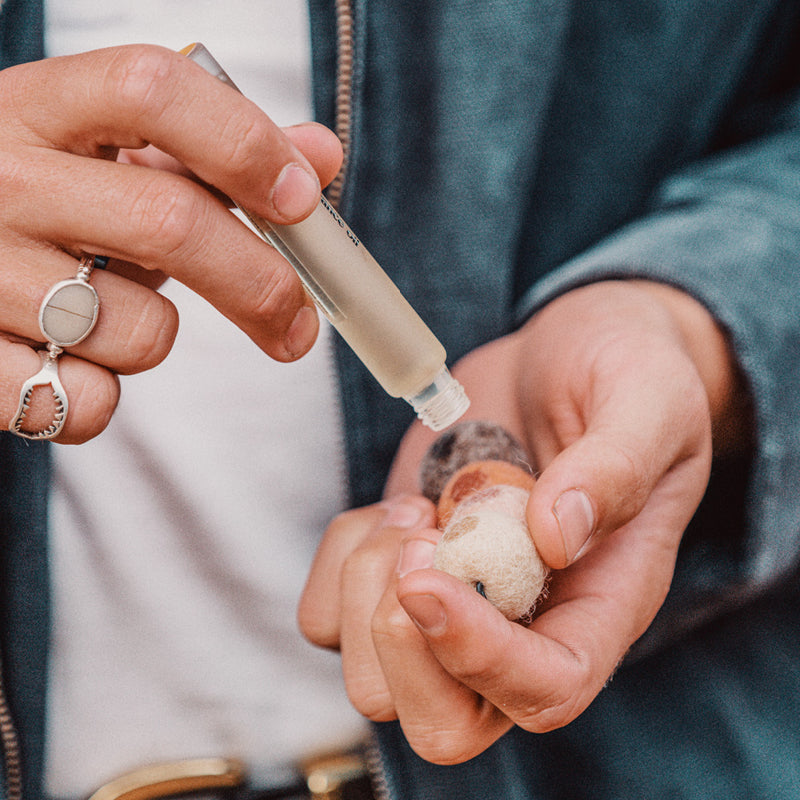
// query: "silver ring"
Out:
[69,310]
[67,316]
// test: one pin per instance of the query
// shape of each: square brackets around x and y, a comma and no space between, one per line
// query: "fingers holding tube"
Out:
[98,102]
[165,222]
[135,95]
[63,192]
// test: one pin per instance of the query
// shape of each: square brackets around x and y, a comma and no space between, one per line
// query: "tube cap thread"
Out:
[441,403]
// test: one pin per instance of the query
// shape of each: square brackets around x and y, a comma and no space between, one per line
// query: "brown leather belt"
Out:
[342,776]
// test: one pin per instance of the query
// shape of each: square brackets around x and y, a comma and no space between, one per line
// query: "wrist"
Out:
[710,349]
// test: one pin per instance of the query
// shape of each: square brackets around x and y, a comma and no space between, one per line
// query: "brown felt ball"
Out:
[474,440]
[479,476]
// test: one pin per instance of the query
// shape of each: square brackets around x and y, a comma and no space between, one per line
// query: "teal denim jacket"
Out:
[505,152]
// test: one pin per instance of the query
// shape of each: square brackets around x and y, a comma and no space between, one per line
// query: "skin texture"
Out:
[614,389]
[115,152]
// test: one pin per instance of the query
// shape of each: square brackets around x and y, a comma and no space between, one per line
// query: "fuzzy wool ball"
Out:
[486,542]
[492,551]
[474,440]
[477,475]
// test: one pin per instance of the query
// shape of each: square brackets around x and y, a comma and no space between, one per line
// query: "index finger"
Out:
[141,94]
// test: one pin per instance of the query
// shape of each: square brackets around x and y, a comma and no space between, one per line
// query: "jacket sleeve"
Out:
[727,231]
[21,31]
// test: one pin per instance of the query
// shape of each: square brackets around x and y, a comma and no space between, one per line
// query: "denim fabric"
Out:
[502,153]
[21,31]
[24,594]
[441,169]
[505,152]
[714,718]
[24,475]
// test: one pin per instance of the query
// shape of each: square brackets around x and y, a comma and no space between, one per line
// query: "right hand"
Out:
[65,121]
[615,389]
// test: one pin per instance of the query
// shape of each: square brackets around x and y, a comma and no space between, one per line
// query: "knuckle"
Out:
[316,628]
[244,144]
[475,670]
[13,180]
[374,704]
[92,402]
[565,700]
[359,567]
[548,718]
[164,213]
[275,298]
[354,524]
[151,337]
[444,746]
[460,735]
[344,522]
[15,96]
[140,77]
[632,474]
[390,622]
[626,460]
[371,562]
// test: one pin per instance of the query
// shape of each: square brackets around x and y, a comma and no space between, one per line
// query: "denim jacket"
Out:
[503,153]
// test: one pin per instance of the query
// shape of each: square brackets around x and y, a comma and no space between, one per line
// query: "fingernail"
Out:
[415,554]
[295,192]
[402,514]
[427,613]
[575,517]
[301,333]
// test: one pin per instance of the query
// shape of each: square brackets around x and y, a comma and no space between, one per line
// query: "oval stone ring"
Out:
[69,310]
[67,316]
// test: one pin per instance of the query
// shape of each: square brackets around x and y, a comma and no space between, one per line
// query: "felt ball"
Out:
[474,440]
[479,477]
[493,552]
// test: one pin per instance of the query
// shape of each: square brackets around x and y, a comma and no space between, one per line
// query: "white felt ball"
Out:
[493,549]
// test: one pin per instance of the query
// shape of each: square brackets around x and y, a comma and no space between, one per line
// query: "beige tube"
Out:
[362,302]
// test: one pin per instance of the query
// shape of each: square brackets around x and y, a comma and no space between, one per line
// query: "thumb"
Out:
[588,488]
[598,484]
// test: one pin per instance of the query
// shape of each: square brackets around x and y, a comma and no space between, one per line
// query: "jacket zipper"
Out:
[9,742]
[344,93]
[343,129]
[376,769]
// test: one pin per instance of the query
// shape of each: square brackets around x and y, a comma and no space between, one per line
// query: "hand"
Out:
[64,121]
[613,388]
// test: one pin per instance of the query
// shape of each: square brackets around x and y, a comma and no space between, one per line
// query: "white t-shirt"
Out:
[182,535]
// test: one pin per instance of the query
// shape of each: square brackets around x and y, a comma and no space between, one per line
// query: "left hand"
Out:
[64,121]
[614,389]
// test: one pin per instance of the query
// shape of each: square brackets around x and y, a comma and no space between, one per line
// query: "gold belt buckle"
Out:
[327,778]
[174,778]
